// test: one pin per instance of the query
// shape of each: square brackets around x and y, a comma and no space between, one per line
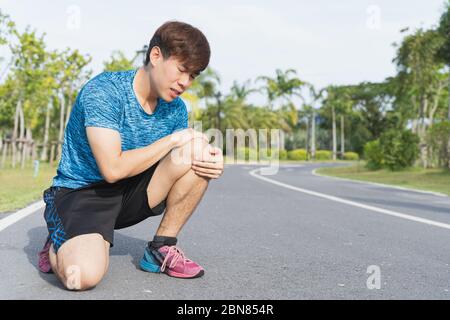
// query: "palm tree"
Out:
[288,119]
[258,117]
[204,87]
[233,113]
[338,99]
[316,96]
[307,115]
[282,86]
[241,91]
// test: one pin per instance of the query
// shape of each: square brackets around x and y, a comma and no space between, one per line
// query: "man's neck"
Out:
[143,90]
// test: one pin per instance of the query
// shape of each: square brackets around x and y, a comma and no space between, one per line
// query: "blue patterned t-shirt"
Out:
[108,101]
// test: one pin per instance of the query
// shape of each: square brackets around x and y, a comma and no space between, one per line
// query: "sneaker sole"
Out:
[183,276]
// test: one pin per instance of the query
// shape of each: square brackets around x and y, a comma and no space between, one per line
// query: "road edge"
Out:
[315,173]
[354,203]
[20,214]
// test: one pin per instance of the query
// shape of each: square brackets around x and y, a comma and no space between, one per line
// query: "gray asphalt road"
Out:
[258,240]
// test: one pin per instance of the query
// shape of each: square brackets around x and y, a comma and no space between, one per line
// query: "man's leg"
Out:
[182,200]
[81,262]
[175,180]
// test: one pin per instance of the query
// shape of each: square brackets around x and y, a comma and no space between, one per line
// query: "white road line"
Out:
[315,173]
[13,218]
[352,203]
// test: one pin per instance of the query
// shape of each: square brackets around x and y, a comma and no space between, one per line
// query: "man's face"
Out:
[169,77]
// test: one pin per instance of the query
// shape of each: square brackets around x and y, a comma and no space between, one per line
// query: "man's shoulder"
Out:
[111,82]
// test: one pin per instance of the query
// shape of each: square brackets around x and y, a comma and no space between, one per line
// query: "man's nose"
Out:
[184,80]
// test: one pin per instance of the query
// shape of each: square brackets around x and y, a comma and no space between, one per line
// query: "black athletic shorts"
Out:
[100,208]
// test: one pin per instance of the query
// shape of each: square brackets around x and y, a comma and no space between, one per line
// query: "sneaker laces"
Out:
[176,254]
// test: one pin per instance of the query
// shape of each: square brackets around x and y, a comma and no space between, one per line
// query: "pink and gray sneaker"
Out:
[44,259]
[170,260]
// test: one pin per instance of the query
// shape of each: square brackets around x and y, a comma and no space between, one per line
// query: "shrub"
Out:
[373,155]
[267,154]
[396,149]
[261,154]
[351,156]
[297,154]
[283,154]
[400,149]
[323,155]
[437,139]
[246,154]
[272,154]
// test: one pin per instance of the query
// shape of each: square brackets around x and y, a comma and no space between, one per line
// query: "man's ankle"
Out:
[160,241]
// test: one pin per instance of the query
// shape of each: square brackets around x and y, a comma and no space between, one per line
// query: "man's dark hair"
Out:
[184,42]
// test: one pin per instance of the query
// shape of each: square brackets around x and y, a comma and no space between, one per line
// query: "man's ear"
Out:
[155,55]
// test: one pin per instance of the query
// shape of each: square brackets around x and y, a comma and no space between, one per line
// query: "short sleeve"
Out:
[181,116]
[101,105]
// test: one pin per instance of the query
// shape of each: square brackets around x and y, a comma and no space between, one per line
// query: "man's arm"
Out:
[115,164]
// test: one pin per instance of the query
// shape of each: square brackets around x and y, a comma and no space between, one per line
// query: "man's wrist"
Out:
[171,141]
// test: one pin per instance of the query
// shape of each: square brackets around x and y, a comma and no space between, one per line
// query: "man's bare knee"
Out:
[185,154]
[82,261]
[81,278]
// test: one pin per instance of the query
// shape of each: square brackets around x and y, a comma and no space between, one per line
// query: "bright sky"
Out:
[327,42]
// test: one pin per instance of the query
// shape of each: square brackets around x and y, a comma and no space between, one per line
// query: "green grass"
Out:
[19,188]
[436,180]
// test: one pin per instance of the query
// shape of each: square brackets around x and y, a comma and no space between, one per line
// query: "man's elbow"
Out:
[111,176]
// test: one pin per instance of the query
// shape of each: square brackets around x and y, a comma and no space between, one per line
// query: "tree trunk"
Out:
[423,145]
[342,137]
[4,152]
[44,156]
[313,135]
[414,126]
[61,124]
[334,134]
[33,151]
[52,153]
[431,113]
[307,138]
[21,135]
[2,149]
[422,133]
[448,144]
[218,114]
[25,147]
[14,135]
[30,146]
[69,109]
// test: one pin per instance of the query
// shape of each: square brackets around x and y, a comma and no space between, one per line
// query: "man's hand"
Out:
[186,135]
[210,164]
